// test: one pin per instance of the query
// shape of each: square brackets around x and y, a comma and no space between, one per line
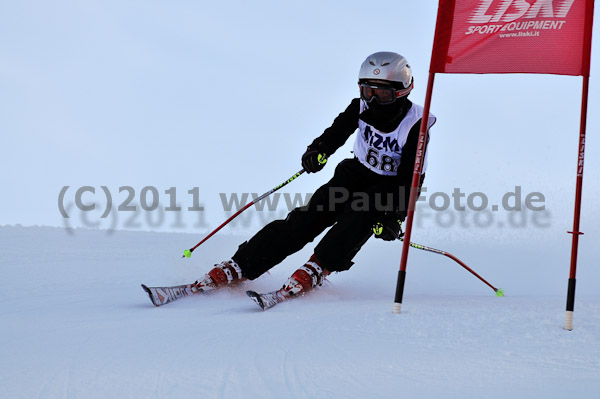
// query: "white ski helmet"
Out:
[386,65]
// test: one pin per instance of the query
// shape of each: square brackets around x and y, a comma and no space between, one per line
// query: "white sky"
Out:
[226,96]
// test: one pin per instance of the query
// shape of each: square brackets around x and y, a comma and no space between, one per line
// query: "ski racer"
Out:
[367,195]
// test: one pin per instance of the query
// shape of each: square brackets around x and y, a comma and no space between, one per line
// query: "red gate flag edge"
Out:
[441,40]
[444,59]
[587,46]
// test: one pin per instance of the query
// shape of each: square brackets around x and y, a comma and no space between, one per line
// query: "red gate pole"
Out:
[586,61]
[577,216]
[422,144]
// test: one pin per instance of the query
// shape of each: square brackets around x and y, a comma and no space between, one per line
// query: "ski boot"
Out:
[303,280]
[224,274]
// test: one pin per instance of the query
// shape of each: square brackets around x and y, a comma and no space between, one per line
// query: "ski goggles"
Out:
[383,94]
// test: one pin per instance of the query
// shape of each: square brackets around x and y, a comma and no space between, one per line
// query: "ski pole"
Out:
[498,291]
[188,252]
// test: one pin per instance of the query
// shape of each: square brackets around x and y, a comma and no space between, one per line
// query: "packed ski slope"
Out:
[76,324]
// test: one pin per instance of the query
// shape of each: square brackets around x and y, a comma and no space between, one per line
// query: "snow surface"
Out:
[76,324]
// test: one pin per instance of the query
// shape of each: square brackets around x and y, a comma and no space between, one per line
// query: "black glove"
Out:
[314,158]
[389,228]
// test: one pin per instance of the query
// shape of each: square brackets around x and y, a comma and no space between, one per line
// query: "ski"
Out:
[162,295]
[268,300]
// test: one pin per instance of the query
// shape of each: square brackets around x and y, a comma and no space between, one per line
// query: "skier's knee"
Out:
[333,263]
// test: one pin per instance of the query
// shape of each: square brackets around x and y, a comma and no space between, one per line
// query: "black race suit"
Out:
[351,221]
